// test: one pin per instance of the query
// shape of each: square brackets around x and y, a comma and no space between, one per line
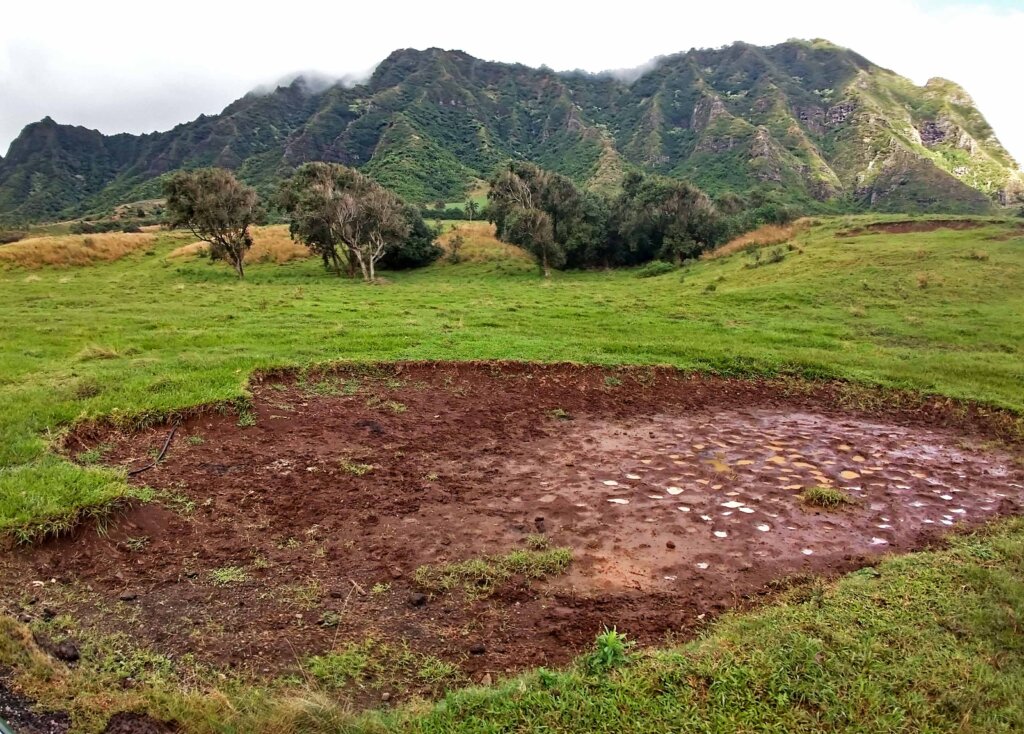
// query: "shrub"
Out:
[455,245]
[10,236]
[654,269]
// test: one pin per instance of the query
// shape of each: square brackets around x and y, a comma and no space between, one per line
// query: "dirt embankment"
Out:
[678,495]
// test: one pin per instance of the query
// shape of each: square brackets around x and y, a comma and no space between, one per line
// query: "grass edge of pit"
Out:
[868,398]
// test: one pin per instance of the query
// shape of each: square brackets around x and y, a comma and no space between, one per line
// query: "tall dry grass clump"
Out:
[479,243]
[72,250]
[764,236]
[271,244]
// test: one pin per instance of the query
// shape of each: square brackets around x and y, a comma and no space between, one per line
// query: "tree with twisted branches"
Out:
[344,216]
[217,209]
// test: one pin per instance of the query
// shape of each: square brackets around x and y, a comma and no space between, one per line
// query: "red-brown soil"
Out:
[676,493]
[911,226]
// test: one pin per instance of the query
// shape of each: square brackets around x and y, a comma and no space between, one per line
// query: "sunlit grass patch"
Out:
[72,250]
[271,244]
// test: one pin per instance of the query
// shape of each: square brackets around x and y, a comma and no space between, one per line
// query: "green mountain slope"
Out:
[809,121]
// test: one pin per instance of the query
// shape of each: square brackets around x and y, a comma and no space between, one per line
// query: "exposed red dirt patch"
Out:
[676,493]
[911,226]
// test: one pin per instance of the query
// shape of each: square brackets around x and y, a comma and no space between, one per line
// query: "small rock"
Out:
[670,545]
[477,648]
[67,651]
[336,594]
[486,680]
[128,596]
[25,618]
[385,696]
[396,573]
[48,614]
[417,599]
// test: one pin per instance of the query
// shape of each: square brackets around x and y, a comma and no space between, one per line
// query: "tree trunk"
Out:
[362,266]
[240,266]
[544,264]
[373,275]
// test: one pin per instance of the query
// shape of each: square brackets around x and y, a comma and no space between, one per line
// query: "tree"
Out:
[217,209]
[313,199]
[471,209]
[535,209]
[340,213]
[416,249]
[662,218]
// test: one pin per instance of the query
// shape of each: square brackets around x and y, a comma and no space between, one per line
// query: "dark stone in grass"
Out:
[417,599]
[670,545]
[477,648]
[128,596]
[67,651]
[48,614]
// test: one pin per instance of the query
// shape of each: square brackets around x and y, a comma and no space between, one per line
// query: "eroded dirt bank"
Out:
[677,495]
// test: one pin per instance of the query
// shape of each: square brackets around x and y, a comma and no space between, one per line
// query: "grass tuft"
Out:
[481,577]
[827,498]
[228,575]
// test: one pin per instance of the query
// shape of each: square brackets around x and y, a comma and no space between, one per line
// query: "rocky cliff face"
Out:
[803,121]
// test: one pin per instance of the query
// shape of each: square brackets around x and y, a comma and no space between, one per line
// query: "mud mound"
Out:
[679,496]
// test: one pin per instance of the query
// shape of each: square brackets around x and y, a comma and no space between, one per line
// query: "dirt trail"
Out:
[676,493]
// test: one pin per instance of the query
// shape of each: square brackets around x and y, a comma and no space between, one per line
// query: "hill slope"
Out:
[809,120]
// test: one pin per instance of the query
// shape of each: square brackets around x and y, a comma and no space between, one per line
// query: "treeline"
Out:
[356,226]
[353,223]
[651,218]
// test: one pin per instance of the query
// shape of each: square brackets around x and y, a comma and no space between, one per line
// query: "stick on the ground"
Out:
[159,457]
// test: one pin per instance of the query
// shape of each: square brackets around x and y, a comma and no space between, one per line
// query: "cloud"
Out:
[127,66]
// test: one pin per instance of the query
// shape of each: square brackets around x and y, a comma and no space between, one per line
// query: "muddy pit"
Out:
[913,226]
[677,495]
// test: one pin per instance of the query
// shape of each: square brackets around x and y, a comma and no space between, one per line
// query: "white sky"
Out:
[137,67]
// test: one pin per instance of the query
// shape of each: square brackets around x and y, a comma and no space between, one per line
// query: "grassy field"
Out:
[148,334]
[929,642]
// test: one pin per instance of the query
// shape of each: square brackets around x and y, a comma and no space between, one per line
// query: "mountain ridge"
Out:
[807,122]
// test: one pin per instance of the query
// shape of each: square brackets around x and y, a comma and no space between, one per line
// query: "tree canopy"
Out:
[352,221]
[563,226]
[217,209]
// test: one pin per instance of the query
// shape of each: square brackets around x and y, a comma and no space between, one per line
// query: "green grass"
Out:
[174,335]
[228,575]
[479,577]
[828,498]
[379,665]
